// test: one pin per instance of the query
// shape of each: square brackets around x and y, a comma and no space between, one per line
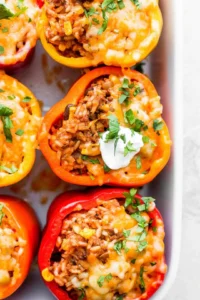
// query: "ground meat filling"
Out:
[96,29]
[11,250]
[75,138]
[102,242]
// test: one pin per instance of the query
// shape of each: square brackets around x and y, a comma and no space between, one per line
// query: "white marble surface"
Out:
[186,285]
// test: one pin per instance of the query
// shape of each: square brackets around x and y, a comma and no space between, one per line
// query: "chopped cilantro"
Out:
[129,117]
[26,99]
[142,283]
[142,245]
[154,228]
[1,213]
[113,128]
[133,261]
[82,295]
[128,148]
[90,12]
[106,168]
[5,29]
[137,91]
[5,113]
[92,160]
[145,139]
[126,233]
[157,125]
[137,3]
[19,132]
[104,24]
[5,13]
[153,263]
[2,91]
[138,162]
[1,50]
[120,297]
[102,278]
[95,20]
[11,170]
[11,97]
[129,197]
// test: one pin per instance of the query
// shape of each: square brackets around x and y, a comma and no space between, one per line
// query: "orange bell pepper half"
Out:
[132,175]
[20,229]
[20,118]
[122,43]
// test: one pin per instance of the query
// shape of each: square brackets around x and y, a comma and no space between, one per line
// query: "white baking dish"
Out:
[47,79]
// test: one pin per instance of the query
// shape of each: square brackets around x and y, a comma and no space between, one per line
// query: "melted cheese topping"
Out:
[18,34]
[12,153]
[130,34]
[11,251]
[99,253]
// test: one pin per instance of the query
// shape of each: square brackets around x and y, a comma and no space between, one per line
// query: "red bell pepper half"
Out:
[72,201]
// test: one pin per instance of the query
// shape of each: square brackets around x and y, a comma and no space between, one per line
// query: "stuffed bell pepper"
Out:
[18,35]
[19,122]
[107,130]
[19,239]
[87,33]
[103,244]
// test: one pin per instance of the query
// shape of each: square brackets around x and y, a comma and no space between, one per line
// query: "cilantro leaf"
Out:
[129,117]
[7,125]
[1,213]
[5,111]
[106,168]
[19,132]
[26,99]
[113,128]
[128,148]
[145,139]
[90,12]
[82,295]
[142,283]
[92,160]
[157,125]
[5,13]
[11,170]
[138,162]
[137,3]
[126,233]
[104,24]
[103,278]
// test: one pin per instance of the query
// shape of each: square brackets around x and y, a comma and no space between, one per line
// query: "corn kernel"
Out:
[87,233]
[68,28]
[65,244]
[48,276]
[79,10]
[4,277]
[62,47]
[72,110]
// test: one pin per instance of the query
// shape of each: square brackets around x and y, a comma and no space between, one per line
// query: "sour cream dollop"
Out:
[115,158]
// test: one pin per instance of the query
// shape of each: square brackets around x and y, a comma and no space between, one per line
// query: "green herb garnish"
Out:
[1,50]
[11,97]
[1,213]
[142,283]
[102,278]
[137,3]
[106,168]
[145,139]
[126,233]
[153,263]
[113,128]
[138,162]
[5,29]
[11,170]
[128,148]
[19,132]
[82,295]
[26,99]
[5,113]
[157,125]
[92,160]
